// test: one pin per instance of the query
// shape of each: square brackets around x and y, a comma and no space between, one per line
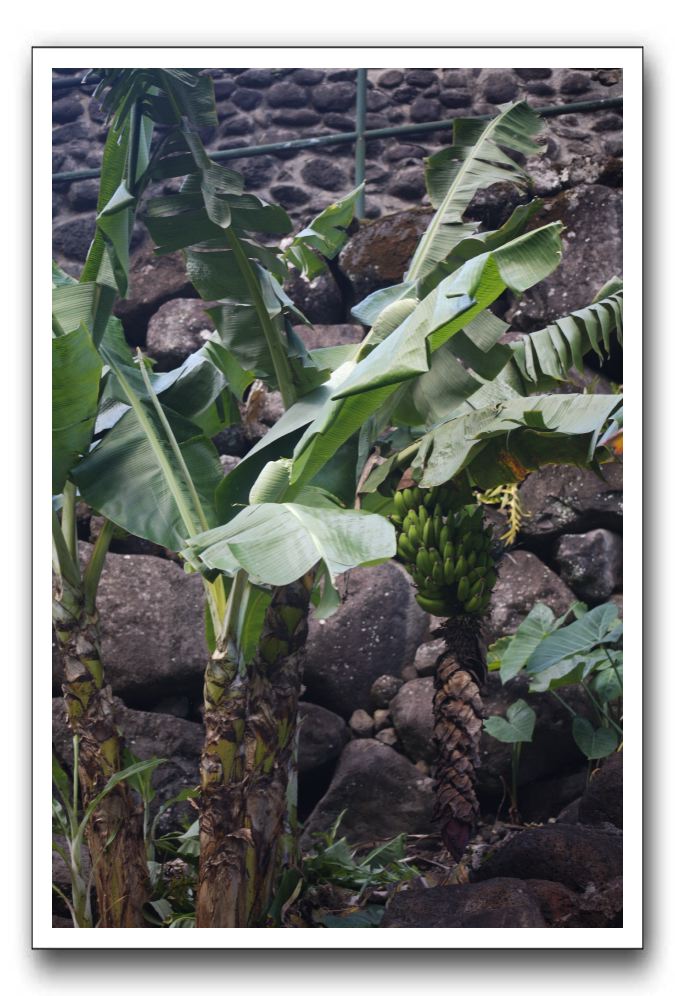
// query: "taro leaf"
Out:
[591,742]
[595,627]
[278,543]
[369,916]
[538,623]
[518,726]
[76,372]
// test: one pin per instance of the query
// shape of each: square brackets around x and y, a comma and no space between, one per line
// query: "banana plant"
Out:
[442,407]
[154,471]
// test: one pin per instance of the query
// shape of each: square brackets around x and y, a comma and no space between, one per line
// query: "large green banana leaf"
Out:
[76,374]
[325,235]
[502,444]
[131,476]
[278,543]
[406,353]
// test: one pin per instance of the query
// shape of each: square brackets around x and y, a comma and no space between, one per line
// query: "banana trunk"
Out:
[458,710]
[115,832]
[247,832]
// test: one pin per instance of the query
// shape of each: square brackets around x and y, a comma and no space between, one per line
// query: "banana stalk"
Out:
[114,833]
[247,820]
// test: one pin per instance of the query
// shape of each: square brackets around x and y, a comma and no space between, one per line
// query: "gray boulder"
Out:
[502,902]
[152,629]
[382,792]
[177,328]
[413,716]
[375,631]
[523,580]
[322,737]
[591,563]
[592,253]
[559,500]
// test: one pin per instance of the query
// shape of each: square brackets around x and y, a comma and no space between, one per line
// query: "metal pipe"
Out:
[344,138]
[360,146]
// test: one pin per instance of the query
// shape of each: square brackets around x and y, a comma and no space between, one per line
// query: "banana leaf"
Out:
[76,374]
[279,543]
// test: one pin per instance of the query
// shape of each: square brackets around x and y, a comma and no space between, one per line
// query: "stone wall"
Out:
[259,106]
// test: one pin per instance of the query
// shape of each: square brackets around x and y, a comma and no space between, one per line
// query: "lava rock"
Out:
[501,902]
[533,74]
[408,184]
[426,656]
[289,196]
[67,109]
[575,83]
[384,689]
[390,78]
[339,96]
[319,300]
[83,196]
[592,253]
[260,78]
[247,100]
[322,737]
[559,500]
[591,564]
[382,792]
[73,237]
[177,328]
[499,87]
[523,580]
[361,723]
[413,715]
[258,171]
[425,109]
[576,856]
[153,280]
[375,631]
[379,253]
[286,94]
[296,117]
[324,173]
[152,628]
[602,802]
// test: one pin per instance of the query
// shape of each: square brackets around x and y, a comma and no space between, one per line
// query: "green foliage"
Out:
[554,653]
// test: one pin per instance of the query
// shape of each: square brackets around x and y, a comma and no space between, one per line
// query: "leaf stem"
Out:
[69,519]
[92,573]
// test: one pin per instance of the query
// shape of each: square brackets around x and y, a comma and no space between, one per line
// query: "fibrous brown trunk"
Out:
[457,727]
[247,830]
[114,833]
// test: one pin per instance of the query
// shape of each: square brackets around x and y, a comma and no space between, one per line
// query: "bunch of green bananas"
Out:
[446,551]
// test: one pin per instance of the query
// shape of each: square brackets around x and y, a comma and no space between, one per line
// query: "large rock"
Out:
[576,856]
[177,328]
[502,902]
[602,802]
[592,253]
[559,500]
[379,253]
[375,631]
[152,281]
[591,563]
[152,628]
[382,792]
[148,735]
[413,715]
[319,300]
[523,580]
[322,737]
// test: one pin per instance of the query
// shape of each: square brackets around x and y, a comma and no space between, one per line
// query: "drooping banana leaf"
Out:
[325,235]
[278,543]
[405,354]
[503,444]
[475,160]
[128,477]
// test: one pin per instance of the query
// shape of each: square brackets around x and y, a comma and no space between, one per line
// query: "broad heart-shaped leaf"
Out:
[595,627]
[501,444]
[123,478]
[405,353]
[537,624]
[475,160]
[518,726]
[278,543]
[76,373]
[591,742]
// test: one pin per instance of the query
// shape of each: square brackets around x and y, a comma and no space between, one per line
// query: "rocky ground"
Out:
[365,737]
